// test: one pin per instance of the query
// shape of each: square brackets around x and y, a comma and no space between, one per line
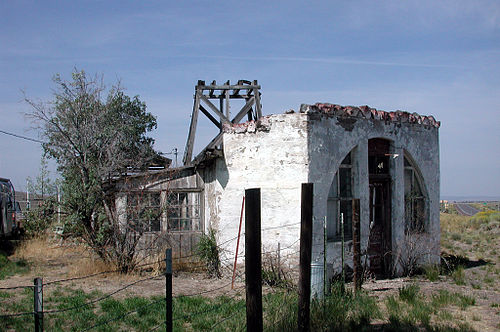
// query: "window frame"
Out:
[195,222]
[414,223]
[134,212]
[347,163]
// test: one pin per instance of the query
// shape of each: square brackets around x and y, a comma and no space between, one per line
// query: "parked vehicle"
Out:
[8,225]
[20,217]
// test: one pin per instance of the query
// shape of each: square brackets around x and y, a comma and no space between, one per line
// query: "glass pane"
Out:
[331,218]
[155,199]
[183,211]
[346,209]
[419,214]
[155,225]
[173,224]
[196,224]
[345,182]
[172,199]
[333,188]
[408,181]
[132,200]
[347,160]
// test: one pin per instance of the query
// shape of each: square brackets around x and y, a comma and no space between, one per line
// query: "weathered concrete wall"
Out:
[280,152]
[271,155]
[332,137]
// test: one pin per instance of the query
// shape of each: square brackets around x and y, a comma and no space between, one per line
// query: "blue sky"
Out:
[430,57]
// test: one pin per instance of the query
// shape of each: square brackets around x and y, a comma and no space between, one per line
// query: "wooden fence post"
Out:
[253,261]
[38,304]
[305,256]
[168,290]
[356,245]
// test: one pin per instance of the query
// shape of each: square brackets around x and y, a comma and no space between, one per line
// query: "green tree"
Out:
[42,185]
[95,135]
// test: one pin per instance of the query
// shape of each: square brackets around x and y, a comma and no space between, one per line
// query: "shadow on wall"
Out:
[222,174]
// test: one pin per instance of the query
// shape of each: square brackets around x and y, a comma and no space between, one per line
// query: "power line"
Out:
[22,137]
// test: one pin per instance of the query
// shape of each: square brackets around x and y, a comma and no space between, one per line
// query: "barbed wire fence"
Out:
[38,312]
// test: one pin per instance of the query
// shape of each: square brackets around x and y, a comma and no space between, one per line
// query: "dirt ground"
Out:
[59,262]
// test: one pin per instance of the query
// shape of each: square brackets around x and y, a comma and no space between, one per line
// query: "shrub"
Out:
[40,218]
[273,273]
[208,252]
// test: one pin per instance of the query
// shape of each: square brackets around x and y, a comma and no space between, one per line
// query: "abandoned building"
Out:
[387,160]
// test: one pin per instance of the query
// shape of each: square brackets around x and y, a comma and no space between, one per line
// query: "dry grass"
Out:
[89,265]
[43,251]
[38,249]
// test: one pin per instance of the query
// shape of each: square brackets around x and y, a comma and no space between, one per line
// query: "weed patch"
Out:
[458,275]
[12,267]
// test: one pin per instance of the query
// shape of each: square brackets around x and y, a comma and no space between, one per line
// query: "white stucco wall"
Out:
[273,158]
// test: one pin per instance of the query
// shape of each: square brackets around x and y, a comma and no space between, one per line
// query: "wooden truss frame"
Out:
[249,91]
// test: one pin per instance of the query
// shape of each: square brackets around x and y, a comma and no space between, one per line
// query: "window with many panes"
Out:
[144,211]
[415,211]
[339,202]
[183,211]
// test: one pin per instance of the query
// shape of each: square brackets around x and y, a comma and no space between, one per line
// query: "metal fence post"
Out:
[168,290]
[38,304]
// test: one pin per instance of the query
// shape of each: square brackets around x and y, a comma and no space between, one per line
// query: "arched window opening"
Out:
[340,202]
[415,210]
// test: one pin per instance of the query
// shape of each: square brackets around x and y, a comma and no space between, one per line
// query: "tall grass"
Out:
[412,311]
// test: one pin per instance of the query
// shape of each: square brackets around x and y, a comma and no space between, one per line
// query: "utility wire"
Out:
[22,137]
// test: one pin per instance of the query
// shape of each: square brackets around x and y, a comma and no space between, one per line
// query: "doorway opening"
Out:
[379,242]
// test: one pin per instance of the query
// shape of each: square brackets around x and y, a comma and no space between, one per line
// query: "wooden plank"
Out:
[231,96]
[229,87]
[356,246]
[306,216]
[188,151]
[214,108]
[210,117]
[250,114]
[244,110]
[258,106]
[221,104]
[228,110]
[253,260]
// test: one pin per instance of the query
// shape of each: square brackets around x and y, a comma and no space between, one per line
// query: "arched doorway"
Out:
[379,242]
